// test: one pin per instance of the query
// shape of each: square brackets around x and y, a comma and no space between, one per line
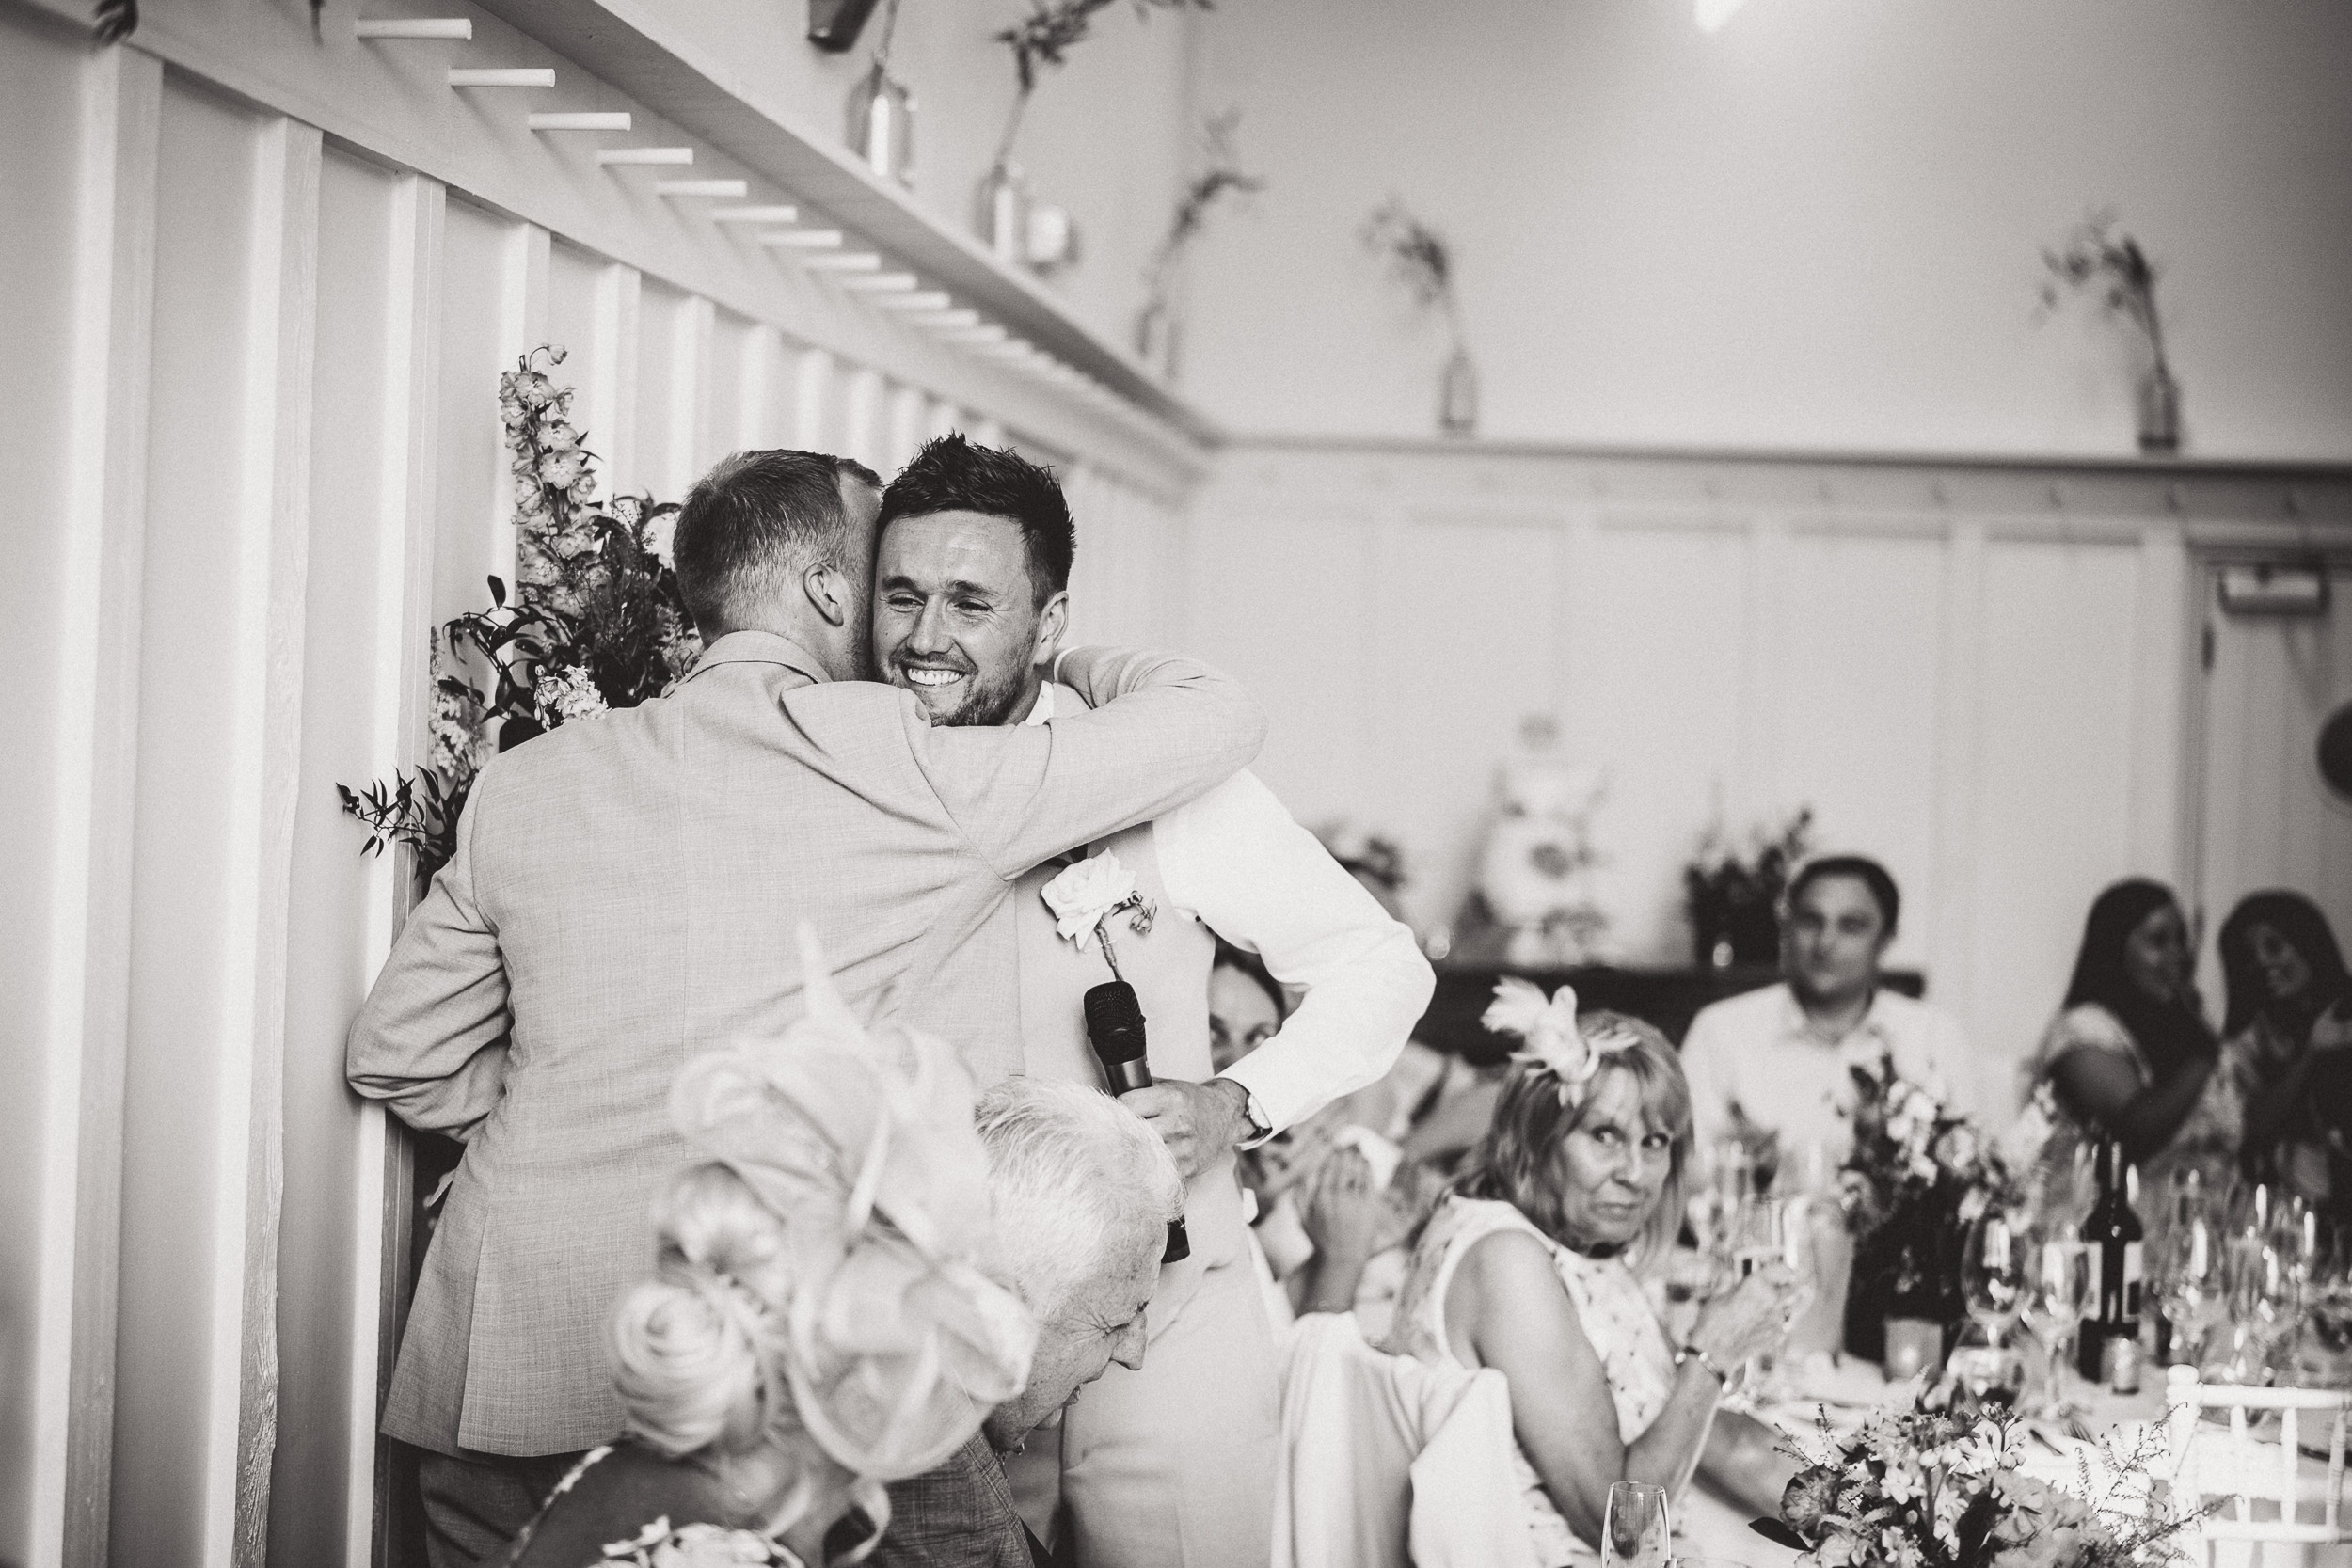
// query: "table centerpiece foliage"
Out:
[1937,1486]
[595,623]
[1918,1175]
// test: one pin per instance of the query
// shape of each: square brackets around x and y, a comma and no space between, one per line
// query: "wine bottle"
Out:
[2112,1232]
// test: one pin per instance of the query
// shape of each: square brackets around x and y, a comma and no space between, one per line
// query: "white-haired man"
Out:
[1083,1191]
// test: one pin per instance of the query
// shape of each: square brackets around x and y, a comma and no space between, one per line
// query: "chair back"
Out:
[1386,1462]
[2209,1462]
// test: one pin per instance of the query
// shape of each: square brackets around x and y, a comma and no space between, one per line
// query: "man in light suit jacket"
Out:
[1168,1463]
[624,891]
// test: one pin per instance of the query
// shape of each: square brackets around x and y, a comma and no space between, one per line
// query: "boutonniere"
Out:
[1086,895]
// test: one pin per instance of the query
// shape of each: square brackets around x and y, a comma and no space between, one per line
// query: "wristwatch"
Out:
[1692,1353]
[1260,1127]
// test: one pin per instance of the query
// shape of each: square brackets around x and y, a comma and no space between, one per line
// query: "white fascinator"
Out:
[1555,1043]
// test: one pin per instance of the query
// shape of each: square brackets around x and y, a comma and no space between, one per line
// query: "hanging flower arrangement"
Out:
[595,623]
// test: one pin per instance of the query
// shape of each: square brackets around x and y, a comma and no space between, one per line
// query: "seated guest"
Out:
[1082,1191]
[2130,1054]
[1328,1222]
[1529,1266]
[2289,1003]
[1774,1067]
[816,1323]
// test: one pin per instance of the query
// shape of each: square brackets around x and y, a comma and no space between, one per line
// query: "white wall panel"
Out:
[1668,608]
[330,890]
[1467,649]
[1282,597]
[1852,705]
[2056,767]
[67,115]
[474,491]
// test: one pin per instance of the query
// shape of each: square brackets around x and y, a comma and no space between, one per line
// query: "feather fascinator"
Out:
[1555,1043]
[894,1343]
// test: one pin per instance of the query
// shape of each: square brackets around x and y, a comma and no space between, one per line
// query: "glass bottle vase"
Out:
[1458,395]
[882,124]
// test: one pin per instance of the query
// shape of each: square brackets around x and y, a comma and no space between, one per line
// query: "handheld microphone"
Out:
[1115,1030]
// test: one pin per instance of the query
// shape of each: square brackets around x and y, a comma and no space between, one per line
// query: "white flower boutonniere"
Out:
[1086,895]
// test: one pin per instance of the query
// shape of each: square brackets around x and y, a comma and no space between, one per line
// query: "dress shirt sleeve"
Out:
[1260,880]
[430,1042]
[1160,730]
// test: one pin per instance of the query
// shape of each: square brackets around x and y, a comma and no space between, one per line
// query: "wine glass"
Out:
[2192,1282]
[1993,1272]
[2057,1287]
[1635,1532]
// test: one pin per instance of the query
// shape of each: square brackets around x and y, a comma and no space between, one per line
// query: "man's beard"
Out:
[987,701]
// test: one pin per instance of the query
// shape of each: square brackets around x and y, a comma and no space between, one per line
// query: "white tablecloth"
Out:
[1714,1526]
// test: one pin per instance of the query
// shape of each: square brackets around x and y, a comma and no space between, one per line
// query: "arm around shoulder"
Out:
[1163,730]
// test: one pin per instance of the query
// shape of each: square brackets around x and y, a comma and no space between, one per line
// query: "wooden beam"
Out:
[265,761]
[97,705]
[401,700]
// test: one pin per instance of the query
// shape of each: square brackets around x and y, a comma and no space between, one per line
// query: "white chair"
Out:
[2209,1462]
[1391,1463]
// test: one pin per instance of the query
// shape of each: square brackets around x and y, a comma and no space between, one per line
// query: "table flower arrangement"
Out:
[1932,1487]
[595,623]
[1918,1174]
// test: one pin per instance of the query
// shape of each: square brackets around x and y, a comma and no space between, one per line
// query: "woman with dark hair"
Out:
[2130,1054]
[2290,1004]
[1529,1266]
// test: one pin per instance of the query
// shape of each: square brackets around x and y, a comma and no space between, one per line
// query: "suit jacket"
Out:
[624,892]
[960,1515]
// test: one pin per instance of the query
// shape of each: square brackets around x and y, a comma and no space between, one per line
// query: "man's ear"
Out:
[828,592]
[1052,622]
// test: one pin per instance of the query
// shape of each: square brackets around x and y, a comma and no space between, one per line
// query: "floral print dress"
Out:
[1615,1315]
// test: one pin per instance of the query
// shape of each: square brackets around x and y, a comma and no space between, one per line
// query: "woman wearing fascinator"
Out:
[816,1324]
[1532,1264]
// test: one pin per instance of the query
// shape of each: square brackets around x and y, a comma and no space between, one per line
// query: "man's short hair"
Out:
[1869,873]
[756,519]
[1075,1179]
[951,474]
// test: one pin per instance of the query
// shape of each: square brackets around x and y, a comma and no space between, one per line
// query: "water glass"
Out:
[1636,1532]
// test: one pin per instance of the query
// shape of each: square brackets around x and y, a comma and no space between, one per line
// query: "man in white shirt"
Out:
[1777,1063]
[1168,1463]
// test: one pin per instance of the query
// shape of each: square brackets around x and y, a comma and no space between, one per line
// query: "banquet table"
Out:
[1713,1524]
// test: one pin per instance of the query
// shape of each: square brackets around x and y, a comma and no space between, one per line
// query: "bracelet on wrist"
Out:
[1706,1363]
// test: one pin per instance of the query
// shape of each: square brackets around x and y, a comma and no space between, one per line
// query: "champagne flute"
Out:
[1993,1272]
[1636,1532]
[2057,1287]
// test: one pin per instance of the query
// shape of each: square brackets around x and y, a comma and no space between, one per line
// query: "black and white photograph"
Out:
[1176,783]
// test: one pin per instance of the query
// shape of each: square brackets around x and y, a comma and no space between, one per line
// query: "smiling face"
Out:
[1614,1165]
[1100,1322]
[2157,954]
[2285,970]
[957,619]
[1241,1016]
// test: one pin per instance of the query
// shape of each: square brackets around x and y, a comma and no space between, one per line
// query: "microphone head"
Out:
[1114,1021]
